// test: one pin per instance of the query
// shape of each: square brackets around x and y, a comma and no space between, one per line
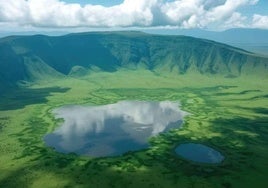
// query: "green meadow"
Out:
[228,114]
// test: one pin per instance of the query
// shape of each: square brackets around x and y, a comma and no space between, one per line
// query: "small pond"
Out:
[199,153]
[112,129]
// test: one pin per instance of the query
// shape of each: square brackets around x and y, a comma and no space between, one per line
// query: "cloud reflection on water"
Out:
[112,129]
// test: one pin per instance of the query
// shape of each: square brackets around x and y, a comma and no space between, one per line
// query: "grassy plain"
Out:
[229,114]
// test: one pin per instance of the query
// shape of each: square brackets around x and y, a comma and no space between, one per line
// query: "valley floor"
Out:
[229,114]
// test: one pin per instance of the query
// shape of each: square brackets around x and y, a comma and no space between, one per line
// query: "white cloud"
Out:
[235,21]
[131,13]
[260,21]
[13,11]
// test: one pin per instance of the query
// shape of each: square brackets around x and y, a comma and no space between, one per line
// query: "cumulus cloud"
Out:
[260,21]
[237,20]
[141,13]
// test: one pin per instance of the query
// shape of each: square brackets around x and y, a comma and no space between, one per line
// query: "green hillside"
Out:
[31,58]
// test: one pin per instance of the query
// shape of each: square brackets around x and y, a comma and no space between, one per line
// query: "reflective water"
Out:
[199,153]
[112,129]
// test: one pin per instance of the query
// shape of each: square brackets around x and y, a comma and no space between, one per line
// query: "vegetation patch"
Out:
[226,114]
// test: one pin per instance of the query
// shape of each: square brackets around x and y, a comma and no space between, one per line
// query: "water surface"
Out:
[199,153]
[112,129]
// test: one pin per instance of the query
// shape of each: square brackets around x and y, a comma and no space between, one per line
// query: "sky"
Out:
[90,15]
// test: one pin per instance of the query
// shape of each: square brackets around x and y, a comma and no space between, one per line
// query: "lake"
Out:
[112,129]
[199,153]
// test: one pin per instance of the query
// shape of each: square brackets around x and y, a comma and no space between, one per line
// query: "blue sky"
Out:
[71,15]
[260,8]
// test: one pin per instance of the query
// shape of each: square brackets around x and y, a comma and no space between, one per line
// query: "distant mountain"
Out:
[27,33]
[255,40]
[238,35]
[38,57]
